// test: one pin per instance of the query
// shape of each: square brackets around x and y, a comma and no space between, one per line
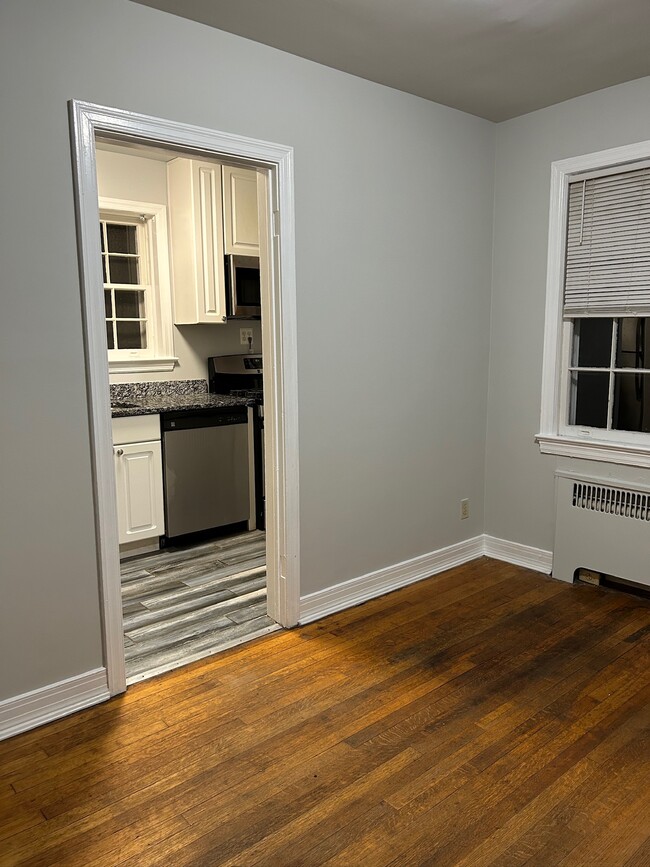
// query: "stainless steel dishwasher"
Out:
[206,469]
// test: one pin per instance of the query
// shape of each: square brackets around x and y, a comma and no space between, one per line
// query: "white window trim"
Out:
[554,437]
[161,358]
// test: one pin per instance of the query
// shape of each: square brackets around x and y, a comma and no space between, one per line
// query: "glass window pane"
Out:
[633,348]
[632,402]
[129,304]
[121,239]
[109,335]
[592,342]
[104,269]
[101,236]
[123,270]
[590,395]
[108,303]
[131,335]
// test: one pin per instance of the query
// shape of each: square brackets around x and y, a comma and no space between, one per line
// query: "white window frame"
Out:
[555,436]
[159,354]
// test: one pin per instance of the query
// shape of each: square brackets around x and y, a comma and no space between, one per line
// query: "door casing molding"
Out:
[279,348]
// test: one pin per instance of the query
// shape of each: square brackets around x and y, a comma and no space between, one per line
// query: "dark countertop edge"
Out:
[149,407]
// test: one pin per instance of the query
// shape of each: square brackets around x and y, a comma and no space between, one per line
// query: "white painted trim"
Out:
[594,450]
[86,121]
[60,699]
[24,712]
[143,365]
[521,555]
[105,497]
[549,438]
[161,318]
[358,590]
[281,511]
[553,315]
[606,481]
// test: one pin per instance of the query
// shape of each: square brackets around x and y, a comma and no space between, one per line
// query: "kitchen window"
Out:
[596,387]
[135,267]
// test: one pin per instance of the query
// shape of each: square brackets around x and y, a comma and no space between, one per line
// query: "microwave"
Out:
[243,287]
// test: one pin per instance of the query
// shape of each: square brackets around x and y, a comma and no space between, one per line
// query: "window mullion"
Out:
[612,365]
[113,317]
[105,253]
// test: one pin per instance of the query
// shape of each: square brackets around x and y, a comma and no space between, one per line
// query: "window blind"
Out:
[608,246]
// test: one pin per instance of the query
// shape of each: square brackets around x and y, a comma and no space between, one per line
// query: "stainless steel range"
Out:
[242,376]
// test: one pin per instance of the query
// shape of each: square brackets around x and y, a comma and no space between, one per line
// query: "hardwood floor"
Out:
[487,716]
[182,604]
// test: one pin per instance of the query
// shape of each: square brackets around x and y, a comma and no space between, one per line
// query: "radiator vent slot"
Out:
[612,501]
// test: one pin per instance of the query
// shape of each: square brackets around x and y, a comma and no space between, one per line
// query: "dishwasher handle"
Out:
[213,418]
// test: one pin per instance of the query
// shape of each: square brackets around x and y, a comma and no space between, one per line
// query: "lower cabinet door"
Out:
[138,474]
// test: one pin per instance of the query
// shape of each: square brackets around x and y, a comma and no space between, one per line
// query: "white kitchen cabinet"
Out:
[138,476]
[197,249]
[240,211]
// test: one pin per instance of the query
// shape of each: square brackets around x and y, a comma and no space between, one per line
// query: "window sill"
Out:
[594,450]
[142,365]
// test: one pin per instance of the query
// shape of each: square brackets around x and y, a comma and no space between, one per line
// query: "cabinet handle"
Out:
[119,452]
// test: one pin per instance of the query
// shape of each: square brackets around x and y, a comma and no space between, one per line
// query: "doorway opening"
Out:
[143,336]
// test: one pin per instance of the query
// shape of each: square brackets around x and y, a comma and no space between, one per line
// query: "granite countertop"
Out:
[177,402]
[151,398]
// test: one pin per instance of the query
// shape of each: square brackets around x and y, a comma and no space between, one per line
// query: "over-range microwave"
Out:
[243,287]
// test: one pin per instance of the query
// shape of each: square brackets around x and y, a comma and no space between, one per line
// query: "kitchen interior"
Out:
[180,255]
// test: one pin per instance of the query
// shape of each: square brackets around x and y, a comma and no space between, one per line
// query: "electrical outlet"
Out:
[244,335]
[464,509]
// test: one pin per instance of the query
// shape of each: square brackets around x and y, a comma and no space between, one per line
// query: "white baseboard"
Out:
[357,590]
[24,712]
[520,555]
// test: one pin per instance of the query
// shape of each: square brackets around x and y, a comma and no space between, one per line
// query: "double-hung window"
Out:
[127,287]
[596,389]
[137,299]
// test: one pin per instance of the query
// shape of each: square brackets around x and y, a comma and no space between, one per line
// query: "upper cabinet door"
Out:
[197,253]
[240,211]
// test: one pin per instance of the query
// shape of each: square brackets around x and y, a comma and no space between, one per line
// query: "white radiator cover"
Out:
[602,525]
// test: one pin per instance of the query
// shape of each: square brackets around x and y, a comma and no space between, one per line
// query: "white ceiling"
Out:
[493,58]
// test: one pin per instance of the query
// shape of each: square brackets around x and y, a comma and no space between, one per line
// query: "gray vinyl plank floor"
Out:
[183,604]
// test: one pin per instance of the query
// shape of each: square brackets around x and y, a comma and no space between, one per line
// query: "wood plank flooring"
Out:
[486,716]
[182,604]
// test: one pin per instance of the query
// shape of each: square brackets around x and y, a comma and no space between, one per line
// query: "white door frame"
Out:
[279,353]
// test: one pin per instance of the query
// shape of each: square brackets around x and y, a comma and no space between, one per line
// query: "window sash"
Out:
[142,256]
[614,373]
[607,269]
[160,333]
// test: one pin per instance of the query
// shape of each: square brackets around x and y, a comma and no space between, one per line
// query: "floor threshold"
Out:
[195,657]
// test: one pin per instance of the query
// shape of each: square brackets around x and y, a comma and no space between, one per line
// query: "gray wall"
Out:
[519,481]
[393,210]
